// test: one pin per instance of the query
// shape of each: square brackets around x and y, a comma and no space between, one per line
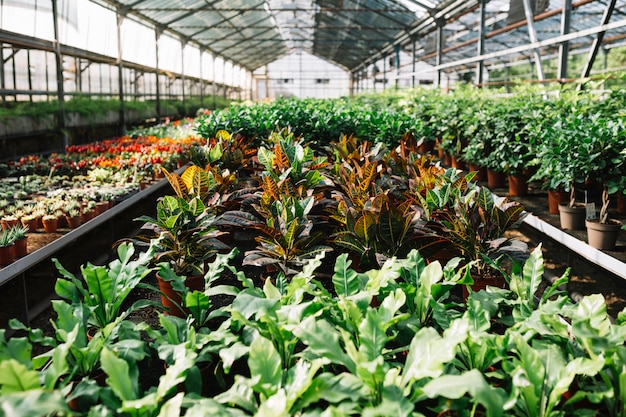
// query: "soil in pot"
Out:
[603,236]
[572,218]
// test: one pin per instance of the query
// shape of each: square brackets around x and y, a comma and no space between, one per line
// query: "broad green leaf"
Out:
[265,366]
[322,341]
[345,279]
[117,370]
[249,305]
[15,377]
[429,353]
[472,383]
[372,336]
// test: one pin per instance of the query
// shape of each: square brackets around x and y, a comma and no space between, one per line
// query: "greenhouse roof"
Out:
[355,33]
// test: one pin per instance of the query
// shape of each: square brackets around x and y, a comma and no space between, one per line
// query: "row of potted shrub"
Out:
[565,141]
[391,337]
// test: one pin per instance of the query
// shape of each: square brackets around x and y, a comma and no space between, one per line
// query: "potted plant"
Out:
[606,159]
[20,238]
[50,222]
[7,242]
[185,236]
[563,163]
[104,289]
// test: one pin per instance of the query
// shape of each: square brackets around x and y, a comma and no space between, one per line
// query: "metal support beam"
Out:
[413,61]
[384,72]
[120,71]
[532,32]
[564,47]
[183,43]
[59,68]
[595,46]
[480,65]
[440,45]
[397,65]
[157,36]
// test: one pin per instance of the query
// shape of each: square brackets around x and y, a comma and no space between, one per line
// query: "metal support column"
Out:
[440,44]
[183,43]
[532,32]
[120,71]
[30,75]
[480,65]
[595,46]
[564,46]
[384,72]
[214,84]
[397,65]
[201,81]
[59,65]
[157,35]
[2,75]
[413,53]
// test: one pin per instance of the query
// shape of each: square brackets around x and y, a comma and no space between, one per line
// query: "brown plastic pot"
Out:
[603,236]
[572,218]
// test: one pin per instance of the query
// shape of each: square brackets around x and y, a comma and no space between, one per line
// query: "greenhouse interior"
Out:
[313,208]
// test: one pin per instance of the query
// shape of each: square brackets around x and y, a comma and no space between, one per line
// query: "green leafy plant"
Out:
[186,234]
[104,289]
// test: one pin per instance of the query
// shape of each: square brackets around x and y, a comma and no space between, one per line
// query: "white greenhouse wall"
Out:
[301,75]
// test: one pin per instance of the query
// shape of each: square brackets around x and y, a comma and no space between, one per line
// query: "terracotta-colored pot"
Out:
[172,299]
[8,223]
[481,172]
[482,282]
[572,218]
[20,248]
[458,163]
[7,255]
[518,186]
[555,198]
[101,207]
[31,224]
[74,222]
[621,203]
[496,179]
[603,236]
[50,225]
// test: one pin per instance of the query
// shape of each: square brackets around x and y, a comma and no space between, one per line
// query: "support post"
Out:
[440,44]
[532,32]
[595,46]
[59,65]
[397,65]
[480,65]
[183,43]
[120,71]
[564,46]
[157,35]
[413,64]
